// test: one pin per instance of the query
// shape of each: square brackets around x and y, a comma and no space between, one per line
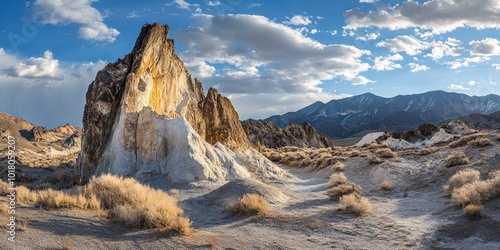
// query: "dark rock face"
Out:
[151,77]
[423,132]
[222,122]
[272,136]
[37,133]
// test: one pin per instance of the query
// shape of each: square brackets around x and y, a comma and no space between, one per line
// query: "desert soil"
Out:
[415,214]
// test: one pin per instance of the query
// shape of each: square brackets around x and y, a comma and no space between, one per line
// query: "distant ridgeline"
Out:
[359,115]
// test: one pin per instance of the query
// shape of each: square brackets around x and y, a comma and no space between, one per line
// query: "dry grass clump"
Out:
[461,178]
[464,140]
[174,192]
[24,195]
[249,204]
[337,179]
[356,204]
[385,153]
[315,159]
[455,160]
[338,166]
[68,242]
[386,185]
[23,224]
[473,210]
[480,142]
[338,191]
[4,208]
[49,198]
[4,188]
[212,241]
[376,160]
[339,186]
[477,192]
[136,205]
[124,199]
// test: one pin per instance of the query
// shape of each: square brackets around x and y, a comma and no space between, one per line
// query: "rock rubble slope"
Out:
[272,136]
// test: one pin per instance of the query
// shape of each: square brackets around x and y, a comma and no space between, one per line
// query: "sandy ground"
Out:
[415,214]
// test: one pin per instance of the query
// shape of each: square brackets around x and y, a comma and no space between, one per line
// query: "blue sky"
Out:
[268,57]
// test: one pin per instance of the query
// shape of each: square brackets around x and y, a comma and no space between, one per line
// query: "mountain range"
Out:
[359,115]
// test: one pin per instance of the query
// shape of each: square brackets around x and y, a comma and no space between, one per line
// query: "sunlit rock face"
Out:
[137,109]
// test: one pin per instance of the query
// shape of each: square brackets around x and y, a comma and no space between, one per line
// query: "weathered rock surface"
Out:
[132,119]
[270,135]
[37,146]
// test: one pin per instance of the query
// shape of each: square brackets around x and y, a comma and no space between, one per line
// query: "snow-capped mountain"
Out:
[368,112]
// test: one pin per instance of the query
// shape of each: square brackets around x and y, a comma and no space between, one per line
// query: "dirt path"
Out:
[401,219]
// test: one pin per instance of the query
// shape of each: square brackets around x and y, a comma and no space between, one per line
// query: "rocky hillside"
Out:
[145,117]
[479,121]
[364,113]
[40,146]
[270,135]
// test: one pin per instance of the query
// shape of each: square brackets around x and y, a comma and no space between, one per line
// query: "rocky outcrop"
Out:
[270,135]
[127,118]
[222,122]
[38,146]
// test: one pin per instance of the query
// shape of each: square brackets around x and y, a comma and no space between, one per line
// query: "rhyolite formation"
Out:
[137,109]
[270,135]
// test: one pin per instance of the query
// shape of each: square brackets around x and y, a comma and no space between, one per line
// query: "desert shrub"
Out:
[338,166]
[4,188]
[456,159]
[386,185]
[480,142]
[337,179]
[477,192]
[174,192]
[340,190]
[4,208]
[461,178]
[124,199]
[385,153]
[212,241]
[249,204]
[473,210]
[353,203]
[50,198]
[68,242]
[136,205]
[24,224]
[24,195]
[354,153]
[376,160]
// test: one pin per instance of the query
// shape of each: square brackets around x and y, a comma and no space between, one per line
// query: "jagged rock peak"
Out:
[150,78]
[270,135]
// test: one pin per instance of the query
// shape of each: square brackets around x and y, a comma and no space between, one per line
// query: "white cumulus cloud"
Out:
[81,12]
[268,57]
[466,62]
[387,63]
[408,44]
[438,16]
[486,47]
[299,20]
[45,67]
[417,67]
[32,89]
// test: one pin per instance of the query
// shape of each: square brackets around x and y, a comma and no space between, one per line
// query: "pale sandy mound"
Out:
[237,188]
